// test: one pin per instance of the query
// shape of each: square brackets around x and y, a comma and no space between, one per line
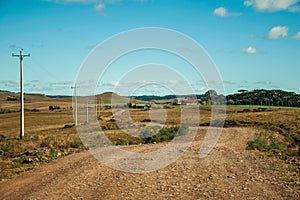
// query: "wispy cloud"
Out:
[99,7]
[223,12]
[274,5]
[297,36]
[9,83]
[263,83]
[250,50]
[278,32]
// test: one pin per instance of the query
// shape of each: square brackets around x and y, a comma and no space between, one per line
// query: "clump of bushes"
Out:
[76,143]
[265,142]
[4,111]
[31,110]
[121,142]
[7,147]
[165,134]
[69,125]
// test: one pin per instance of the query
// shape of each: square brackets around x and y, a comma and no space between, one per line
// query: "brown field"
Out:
[50,135]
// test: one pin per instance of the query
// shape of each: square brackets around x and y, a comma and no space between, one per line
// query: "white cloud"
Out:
[297,36]
[250,50]
[277,32]
[273,5]
[223,12]
[99,7]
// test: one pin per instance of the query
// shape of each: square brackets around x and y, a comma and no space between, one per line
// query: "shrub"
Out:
[52,152]
[35,138]
[121,142]
[50,137]
[146,136]
[265,142]
[4,111]
[76,143]
[260,144]
[277,145]
[2,138]
[7,147]
[165,134]
[31,110]
[69,125]
[46,142]
[182,130]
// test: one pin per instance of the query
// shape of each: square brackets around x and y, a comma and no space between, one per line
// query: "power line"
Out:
[21,56]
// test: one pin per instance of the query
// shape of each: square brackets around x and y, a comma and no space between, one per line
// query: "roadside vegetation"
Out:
[36,148]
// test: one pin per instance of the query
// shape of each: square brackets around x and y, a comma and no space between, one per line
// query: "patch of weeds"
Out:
[7,147]
[277,145]
[131,142]
[50,137]
[46,142]
[165,134]
[52,152]
[2,138]
[261,144]
[4,111]
[265,142]
[121,142]
[146,136]
[35,138]
[76,143]
[31,110]
[146,120]
[290,140]
[182,130]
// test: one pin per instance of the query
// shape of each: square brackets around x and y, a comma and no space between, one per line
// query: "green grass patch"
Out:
[265,142]
[165,134]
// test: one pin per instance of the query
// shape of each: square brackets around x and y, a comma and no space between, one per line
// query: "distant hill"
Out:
[6,95]
[110,96]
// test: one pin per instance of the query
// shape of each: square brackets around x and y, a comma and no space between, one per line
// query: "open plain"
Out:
[256,156]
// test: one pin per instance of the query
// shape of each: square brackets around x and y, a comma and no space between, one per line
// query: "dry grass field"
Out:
[51,134]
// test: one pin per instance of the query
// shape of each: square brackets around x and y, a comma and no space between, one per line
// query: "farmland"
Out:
[264,139]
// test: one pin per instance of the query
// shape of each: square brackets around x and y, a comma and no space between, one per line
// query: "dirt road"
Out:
[228,172]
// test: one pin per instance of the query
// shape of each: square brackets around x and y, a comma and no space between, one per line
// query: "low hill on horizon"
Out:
[111,96]
[7,95]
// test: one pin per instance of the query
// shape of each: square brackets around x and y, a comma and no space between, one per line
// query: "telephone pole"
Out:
[75,96]
[21,56]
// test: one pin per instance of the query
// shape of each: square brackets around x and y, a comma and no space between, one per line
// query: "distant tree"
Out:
[211,93]
[264,97]
[242,91]
[210,97]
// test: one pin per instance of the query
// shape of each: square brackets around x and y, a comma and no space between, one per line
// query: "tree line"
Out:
[260,97]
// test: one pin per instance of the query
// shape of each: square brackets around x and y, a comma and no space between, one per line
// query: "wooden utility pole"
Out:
[21,56]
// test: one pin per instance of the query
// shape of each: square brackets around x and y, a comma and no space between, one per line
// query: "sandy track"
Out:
[228,172]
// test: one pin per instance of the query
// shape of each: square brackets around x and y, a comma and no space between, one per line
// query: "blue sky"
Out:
[254,43]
